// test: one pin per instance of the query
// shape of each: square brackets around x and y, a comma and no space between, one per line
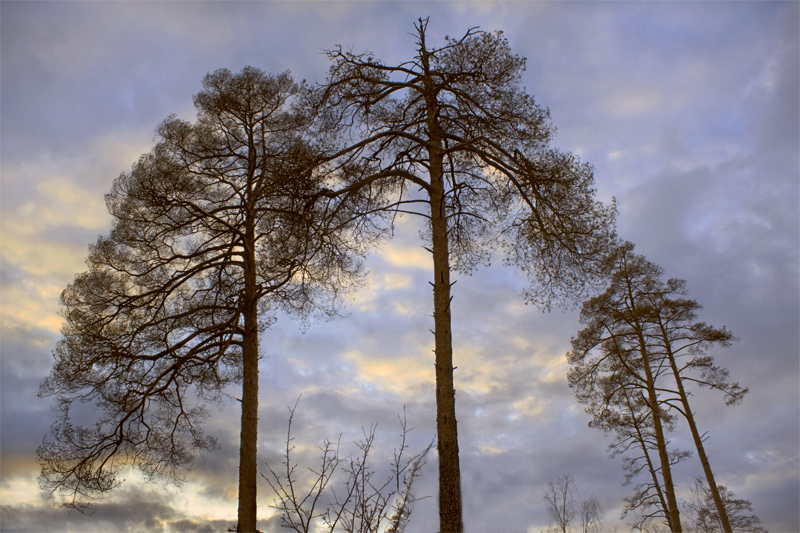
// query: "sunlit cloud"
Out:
[396,280]
[44,238]
[65,203]
[393,374]
[407,308]
[407,256]
[491,448]
[25,306]
[19,485]
[194,499]
[529,406]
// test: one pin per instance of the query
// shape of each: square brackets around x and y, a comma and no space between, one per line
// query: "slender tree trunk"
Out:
[666,472]
[650,465]
[450,513]
[564,521]
[698,440]
[248,446]
[450,507]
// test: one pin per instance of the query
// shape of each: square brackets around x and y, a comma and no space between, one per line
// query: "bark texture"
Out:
[450,511]
[248,444]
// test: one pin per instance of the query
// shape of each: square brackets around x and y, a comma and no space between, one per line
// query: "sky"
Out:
[689,113]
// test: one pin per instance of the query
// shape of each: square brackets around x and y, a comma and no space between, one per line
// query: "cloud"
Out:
[133,509]
[52,208]
[136,510]
[395,280]
[396,374]
[202,526]
[407,256]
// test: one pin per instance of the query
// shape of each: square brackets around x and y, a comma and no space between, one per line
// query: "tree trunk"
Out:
[450,510]
[650,465]
[666,472]
[698,440]
[248,446]
[673,513]
[450,513]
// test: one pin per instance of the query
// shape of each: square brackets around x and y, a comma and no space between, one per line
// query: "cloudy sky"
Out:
[689,112]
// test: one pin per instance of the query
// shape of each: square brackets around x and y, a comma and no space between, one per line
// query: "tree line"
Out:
[270,201]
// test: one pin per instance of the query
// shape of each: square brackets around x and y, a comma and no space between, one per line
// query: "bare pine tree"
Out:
[610,357]
[641,332]
[451,136]
[684,343]
[212,233]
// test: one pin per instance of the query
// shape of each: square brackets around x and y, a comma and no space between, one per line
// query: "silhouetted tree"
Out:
[450,135]
[702,511]
[562,507]
[560,502]
[684,342]
[629,416]
[212,233]
[366,502]
[590,516]
[611,355]
[639,330]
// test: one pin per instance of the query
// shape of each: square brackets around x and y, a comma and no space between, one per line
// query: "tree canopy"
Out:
[451,135]
[267,201]
[213,232]
[640,332]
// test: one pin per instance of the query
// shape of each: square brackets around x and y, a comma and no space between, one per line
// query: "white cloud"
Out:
[407,256]
[396,280]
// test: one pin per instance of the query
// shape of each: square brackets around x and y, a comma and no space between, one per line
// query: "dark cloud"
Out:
[25,419]
[133,512]
[211,526]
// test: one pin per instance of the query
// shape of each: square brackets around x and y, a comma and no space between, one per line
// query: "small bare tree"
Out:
[590,515]
[365,502]
[702,511]
[562,507]
[560,504]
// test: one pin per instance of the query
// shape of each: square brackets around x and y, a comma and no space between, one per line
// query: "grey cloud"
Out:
[24,363]
[132,512]
[213,526]
[505,491]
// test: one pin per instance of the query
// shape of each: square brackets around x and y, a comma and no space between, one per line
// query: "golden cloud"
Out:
[407,256]
[394,374]
[529,406]
[395,281]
